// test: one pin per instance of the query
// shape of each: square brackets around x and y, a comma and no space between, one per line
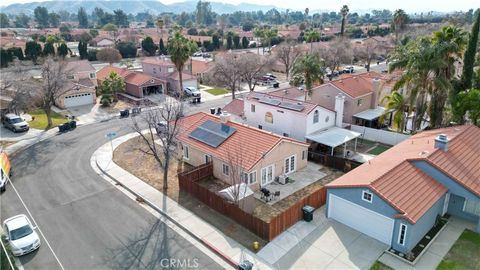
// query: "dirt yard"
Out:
[129,157]
[118,106]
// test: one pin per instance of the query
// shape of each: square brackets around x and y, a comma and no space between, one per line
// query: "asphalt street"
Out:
[88,222]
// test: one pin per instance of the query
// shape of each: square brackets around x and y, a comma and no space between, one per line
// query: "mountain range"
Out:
[135,6]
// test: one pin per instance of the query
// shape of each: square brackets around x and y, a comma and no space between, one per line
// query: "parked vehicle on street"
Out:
[161,127]
[15,123]
[5,170]
[21,235]
[192,91]
[348,69]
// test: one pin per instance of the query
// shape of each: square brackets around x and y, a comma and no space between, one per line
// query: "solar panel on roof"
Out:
[257,95]
[292,106]
[270,101]
[212,133]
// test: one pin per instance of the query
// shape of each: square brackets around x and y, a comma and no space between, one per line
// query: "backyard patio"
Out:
[296,181]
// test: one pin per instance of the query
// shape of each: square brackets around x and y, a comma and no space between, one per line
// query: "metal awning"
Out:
[371,114]
[333,136]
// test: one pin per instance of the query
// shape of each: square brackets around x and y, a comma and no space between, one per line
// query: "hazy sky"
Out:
[408,5]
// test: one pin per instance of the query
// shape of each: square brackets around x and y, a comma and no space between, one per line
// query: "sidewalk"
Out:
[203,232]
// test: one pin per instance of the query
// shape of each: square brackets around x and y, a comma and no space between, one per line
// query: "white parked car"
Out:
[191,91]
[21,235]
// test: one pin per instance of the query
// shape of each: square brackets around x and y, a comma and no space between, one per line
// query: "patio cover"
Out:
[229,193]
[333,136]
[370,114]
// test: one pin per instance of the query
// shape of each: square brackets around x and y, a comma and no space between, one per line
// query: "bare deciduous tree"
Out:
[337,52]
[52,85]
[236,157]
[226,72]
[367,51]
[287,53]
[161,140]
[251,66]
[109,55]
[15,85]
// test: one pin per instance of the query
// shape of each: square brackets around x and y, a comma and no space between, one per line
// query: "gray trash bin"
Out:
[308,213]
[245,265]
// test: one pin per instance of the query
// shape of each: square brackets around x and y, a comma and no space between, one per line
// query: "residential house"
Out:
[361,98]
[398,196]
[235,109]
[137,84]
[164,69]
[200,67]
[239,151]
[80,89]
[289,92]
[102,41]
[285,116]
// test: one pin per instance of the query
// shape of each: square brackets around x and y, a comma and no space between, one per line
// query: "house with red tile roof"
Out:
[80,89]
[137,84]
[285,116]
[362,97]
[398,196]
[162,67]
[239,151]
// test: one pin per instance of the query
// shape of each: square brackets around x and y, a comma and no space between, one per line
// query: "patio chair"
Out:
[276,195]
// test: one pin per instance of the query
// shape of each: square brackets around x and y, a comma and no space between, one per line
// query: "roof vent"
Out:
[441,142]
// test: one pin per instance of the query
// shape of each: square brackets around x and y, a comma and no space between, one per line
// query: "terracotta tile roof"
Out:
[157,61]
[199,66]
[80,66]
[86,82]
[185,76]
[105,72]
[404,197]
[461,162]
[235,107]
[258,142]
[137,78]
[290,92]
[308,106]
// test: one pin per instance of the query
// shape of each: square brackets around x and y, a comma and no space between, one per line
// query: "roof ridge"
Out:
[461,132]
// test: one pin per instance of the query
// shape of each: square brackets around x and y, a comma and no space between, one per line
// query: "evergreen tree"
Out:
[54,19]
[5,58]
[33,50]
[41,16]
[4,21]
[162,49]
[48,49]
[17,52]
[148,47]
[229,42]
[62,50]
[215,42]
[82,49]
[469,56]
[236,41]
[245,42]
[82,18]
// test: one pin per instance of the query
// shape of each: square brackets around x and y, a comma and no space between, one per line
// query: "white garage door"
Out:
[78,100]
[361,219]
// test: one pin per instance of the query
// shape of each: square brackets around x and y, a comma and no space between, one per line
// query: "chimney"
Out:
[339,105]
[224,117]
[376,93]
[441,142]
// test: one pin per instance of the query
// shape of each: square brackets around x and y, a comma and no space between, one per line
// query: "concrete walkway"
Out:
[205,233]
[322,244]
[436,251]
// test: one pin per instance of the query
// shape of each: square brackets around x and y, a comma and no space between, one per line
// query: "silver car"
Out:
[192,91]
[15,123]
[21,235]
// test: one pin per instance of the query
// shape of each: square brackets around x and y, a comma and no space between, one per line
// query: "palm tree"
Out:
[160,25]
[180,50]
[312,36]
[259,34]
[269,34]
[344,12]
[396,102]
[400,18]
[309,68]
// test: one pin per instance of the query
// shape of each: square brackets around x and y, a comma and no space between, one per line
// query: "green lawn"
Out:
[379,149]
[380,266]
[40,119]
[464,254]
[218,91]
[366,142]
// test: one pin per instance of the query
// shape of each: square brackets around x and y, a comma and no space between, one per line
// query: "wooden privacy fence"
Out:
[342,164]
[265,230]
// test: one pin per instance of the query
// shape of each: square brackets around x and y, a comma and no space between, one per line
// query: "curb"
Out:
[226,258]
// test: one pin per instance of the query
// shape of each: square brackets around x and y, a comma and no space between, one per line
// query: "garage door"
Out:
[190,83]
[78,100]
[361,219]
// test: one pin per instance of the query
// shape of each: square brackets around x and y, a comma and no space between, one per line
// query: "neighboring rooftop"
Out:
[418,191]
[282,102]
[290,92]
[255,143]
[234,107]
[80,66]
[353,85]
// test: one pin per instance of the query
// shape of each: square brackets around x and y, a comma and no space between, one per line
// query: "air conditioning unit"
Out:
[282,179]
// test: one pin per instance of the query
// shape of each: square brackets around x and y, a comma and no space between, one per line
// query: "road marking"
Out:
[36,224]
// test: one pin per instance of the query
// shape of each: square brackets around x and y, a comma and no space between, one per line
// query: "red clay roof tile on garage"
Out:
[137,78]
[354,85]
[256,142]
[235,107]
[392,176]
[105,72]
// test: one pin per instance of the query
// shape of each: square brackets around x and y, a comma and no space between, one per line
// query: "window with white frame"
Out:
[250,178]
[267,175]
[289,165]
[170,69]
[208,158]
[225,169]
[367,196]
[471,207]
[186,153]
[402,233]
[92,75]
[315,116]
[359,102]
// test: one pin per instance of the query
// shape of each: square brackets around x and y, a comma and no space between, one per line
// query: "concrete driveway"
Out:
[322,244]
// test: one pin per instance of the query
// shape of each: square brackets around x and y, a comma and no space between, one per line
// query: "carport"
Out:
[370,118]
[334,137]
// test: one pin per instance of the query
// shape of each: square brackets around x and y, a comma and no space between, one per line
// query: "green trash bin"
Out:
[73,124]
[308,213]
